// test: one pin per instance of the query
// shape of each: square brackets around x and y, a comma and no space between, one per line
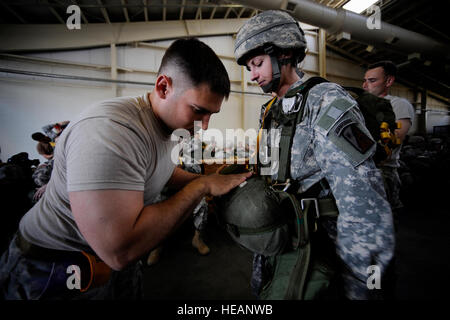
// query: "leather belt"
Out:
[33,251]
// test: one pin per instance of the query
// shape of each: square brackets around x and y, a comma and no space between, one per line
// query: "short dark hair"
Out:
[44,148]
[390,69]
[199,62]
[40,137]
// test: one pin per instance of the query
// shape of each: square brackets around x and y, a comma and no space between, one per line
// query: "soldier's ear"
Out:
[163,86]
[390,81]
[286,54]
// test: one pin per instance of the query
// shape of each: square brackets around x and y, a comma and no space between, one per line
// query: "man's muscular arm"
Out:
[180,178]
[120,229]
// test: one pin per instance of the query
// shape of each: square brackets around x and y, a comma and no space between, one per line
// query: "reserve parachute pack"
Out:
[267,218]
[276,224]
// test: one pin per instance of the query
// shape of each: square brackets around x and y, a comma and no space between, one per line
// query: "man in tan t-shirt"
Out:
[110,164]
[378,80]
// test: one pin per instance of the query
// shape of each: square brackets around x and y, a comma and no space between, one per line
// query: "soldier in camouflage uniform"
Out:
[41,176]
[200,213]
[271,45]
[190,163]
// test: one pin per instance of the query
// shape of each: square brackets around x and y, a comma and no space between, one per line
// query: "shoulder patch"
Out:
[333,113]
[357,138]
[342,126]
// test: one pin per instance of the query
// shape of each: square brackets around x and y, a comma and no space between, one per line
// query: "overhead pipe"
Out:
[82,78]
[337,21]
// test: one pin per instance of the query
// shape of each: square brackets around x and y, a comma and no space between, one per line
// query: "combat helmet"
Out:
[268,32]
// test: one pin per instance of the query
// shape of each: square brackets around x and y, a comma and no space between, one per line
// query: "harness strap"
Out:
[299,257]
[261,129]
[296,288]
[326,207]
[288,131]
[284,163]
[296,282]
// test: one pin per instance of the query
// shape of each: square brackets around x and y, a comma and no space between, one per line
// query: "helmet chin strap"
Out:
[273,85]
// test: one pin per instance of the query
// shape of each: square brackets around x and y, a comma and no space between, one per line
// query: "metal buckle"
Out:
[286,185]
[315,204]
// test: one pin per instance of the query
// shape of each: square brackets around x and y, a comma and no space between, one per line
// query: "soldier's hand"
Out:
[218,184]
[39,192]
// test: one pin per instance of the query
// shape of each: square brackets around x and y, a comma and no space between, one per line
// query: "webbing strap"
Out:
[300,257]
[327,207]
[237,231]
[261,129]
[284,160]
[301,237]
[291,269]
[293,266]
[297,280]
[287,134]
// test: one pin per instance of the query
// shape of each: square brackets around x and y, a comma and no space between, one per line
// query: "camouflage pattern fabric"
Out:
[200,213]
[365,234]
[260,273]
[392,184]
[41,175]
[49,132]
[23,278]
[190,164]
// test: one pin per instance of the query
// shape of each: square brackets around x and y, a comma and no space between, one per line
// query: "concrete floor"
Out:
[422,263]
[424,255]
[183,274]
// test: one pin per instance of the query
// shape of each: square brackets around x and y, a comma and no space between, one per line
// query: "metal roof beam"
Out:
[213,12]
[164,14]
[39,37]
[104,12]
[85,20]
[198,14]
[145,10]
[228,12]
[19,17]
[125,10]
[183,3]
[54,12]
[241,12]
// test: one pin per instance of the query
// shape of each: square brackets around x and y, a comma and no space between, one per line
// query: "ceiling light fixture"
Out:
[358,6]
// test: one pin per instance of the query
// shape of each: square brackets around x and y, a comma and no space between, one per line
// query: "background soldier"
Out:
[378,80]
[200,213]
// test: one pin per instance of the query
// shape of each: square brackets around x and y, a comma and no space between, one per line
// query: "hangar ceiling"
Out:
[426,17]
